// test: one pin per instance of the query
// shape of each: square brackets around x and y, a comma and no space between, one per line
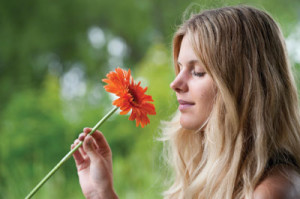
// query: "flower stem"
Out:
[68,155]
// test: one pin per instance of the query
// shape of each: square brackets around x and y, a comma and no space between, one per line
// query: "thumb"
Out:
[89,147]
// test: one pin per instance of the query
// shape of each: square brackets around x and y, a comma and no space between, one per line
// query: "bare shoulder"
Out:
[280,183]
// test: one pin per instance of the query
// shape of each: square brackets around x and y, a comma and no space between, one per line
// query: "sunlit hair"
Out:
[255,118]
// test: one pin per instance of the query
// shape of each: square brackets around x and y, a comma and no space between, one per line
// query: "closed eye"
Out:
[191,65]
[198,74]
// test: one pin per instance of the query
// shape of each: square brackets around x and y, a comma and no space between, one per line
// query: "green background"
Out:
[53,55]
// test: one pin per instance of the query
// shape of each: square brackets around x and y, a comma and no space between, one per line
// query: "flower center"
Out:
[135,99]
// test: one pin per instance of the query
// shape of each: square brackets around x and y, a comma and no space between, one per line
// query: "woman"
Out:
[237,131]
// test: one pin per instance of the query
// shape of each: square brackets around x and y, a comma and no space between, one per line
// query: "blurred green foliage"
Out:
[53,55]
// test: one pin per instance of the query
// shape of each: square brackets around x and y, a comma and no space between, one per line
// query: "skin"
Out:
[282,182]
[195,91]
[94,166]
[194,88]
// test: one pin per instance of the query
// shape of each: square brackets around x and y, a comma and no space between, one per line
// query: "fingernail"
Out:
[81,137]
[88,137]
[89,141]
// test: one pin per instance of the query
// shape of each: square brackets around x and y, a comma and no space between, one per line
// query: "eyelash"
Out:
[201,74]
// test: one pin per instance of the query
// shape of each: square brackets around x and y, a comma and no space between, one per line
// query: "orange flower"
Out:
[131,96]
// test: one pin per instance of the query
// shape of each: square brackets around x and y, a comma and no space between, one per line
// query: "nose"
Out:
[179,84]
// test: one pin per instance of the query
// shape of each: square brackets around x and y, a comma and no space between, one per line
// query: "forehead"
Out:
[186,51]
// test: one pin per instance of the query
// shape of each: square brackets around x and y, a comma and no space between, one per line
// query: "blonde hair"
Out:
[255,117]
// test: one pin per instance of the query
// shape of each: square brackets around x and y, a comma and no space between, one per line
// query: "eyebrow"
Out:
[191,62]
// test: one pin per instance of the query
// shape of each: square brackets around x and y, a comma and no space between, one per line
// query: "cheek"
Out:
[203,93]
[207,95]
[206,102]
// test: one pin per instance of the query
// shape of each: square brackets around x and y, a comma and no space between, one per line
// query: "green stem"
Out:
[68,155]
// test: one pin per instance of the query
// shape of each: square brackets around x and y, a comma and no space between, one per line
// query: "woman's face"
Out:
[194,88]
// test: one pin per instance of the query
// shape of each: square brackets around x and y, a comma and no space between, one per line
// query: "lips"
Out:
[183,105]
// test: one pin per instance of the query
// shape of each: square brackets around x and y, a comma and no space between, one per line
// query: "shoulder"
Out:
[280,183]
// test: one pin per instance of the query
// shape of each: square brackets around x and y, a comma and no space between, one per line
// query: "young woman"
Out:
[237,130]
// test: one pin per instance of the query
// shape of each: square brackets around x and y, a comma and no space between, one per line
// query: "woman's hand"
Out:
[94,165]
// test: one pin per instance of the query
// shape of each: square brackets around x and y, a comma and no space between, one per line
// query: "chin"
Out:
[188,125]
[193,125]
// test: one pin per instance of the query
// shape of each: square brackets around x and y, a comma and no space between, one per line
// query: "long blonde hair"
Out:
[255,117]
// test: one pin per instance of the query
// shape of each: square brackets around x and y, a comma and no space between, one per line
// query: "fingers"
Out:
[81,136]
[100,141]
[94,145]
[87,130]
[89,148]
[78,156]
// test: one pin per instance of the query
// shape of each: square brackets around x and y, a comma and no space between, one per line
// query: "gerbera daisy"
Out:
[131,96]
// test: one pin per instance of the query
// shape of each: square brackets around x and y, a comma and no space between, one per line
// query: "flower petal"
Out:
[131,96]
